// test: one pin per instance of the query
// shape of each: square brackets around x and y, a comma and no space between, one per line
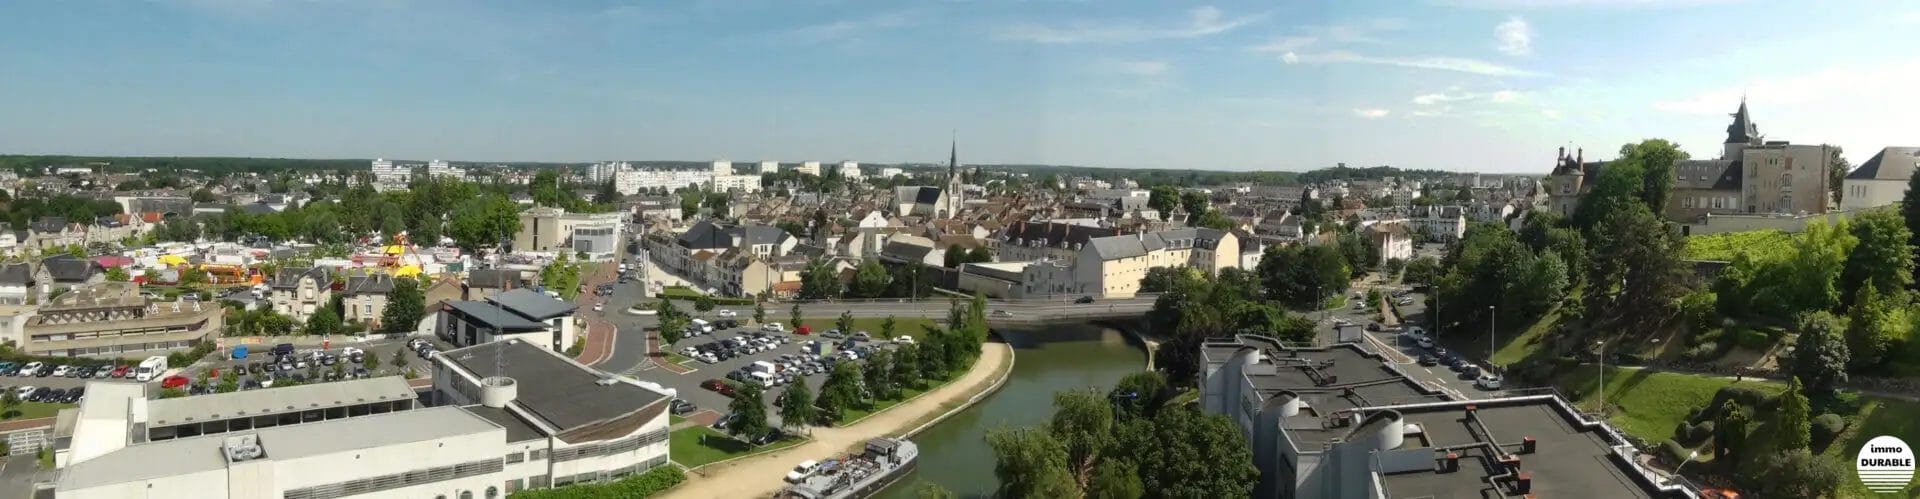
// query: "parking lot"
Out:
[769,347]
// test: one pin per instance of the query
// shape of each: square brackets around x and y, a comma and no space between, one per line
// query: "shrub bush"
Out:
[1705,352]
[1826,427]
[1708,336]
[1674,452]
[1745,396]
[645,484]
[1701,432]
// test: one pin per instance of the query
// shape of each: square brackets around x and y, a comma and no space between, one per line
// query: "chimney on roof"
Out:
[1528,445]
[1560,155]
[1580,156]
[1523,483]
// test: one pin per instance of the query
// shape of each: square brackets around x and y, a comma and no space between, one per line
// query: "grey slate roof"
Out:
[533,305]
[905,251]
[289,278]
[19,274]
[494,278]
[1892,163]
[927,195]
[48,224]
[375,284]
[1124,246]
[1053,234]
[68,268]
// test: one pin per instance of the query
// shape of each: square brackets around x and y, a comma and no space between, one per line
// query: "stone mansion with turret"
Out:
[1752,176]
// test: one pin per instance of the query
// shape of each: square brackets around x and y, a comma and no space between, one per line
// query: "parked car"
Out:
[771,436]
[1083,300]
[61,371]
[682,407]
[1002,313]
[174,381]
[802,471]
[1488,381]
[121,371]
[1429,360]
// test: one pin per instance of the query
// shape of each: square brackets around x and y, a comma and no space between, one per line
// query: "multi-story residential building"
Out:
[1113,266]
[632,181]
[522,314]
[599,173]
[850,170]
[735,183]
[1880,181]
[299,291]
[1443,224]
[890,172]
[1341,422]
[662,208]
[16,283]
[767,167]
[440,168]
[1394,240]
[1751,176]
[364,299]
[111,318]
[1028,241]
[809,168]
[389,175]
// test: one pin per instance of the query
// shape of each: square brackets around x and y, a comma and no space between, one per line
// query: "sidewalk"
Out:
[760,475]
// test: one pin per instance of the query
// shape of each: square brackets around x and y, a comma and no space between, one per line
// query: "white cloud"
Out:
[1201,22]
[1371,113]
[1907,18]
[1441,63]
[1515,36]
[1290,58]
[1855,106]
[1438,98]
[1505,96]
[854,27]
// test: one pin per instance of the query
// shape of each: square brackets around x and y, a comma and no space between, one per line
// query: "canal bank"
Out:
[760,475]
[955,453]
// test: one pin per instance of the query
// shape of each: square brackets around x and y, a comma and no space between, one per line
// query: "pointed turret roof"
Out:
[1742,130]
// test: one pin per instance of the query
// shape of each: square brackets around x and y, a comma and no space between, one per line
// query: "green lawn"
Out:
[678,292]
[1649,404]
[1877,417]
[910,326]
[677,358]
[1726,245]
[699,445]
[673,419]
[34,410]
[856,413]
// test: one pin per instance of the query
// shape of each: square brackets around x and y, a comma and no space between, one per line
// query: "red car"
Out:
[119,372]
[175,381]
[718,386]
[802,330]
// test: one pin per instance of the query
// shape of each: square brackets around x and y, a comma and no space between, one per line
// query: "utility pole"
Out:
[1493,317]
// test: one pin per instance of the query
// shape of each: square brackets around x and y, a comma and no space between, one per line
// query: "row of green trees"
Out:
[885,375]
[1125,443]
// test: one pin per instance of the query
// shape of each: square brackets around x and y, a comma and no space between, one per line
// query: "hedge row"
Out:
[641,485]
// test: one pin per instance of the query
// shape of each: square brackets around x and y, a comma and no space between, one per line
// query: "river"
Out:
[954,453]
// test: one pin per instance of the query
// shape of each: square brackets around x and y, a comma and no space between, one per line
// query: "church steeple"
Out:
[954,196]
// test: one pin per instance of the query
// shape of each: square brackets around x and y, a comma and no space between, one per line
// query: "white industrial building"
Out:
[810,168]
[767,167]
[850,169]
[890,172]
[509,417]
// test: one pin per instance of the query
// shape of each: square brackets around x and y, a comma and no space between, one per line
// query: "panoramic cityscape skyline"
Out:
[1482,85]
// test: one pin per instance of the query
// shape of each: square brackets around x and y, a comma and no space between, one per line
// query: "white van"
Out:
[765,380]
[705,327]
[150,368]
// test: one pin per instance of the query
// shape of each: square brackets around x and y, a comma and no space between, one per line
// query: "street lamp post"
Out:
[1683,464]
[1493,318]
[1601,347]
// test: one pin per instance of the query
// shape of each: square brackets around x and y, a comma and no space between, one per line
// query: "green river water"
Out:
[954,453]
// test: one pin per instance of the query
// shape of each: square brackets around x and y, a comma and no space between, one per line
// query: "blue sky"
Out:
[1487,85]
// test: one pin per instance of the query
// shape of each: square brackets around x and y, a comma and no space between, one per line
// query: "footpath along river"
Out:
[954,453]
